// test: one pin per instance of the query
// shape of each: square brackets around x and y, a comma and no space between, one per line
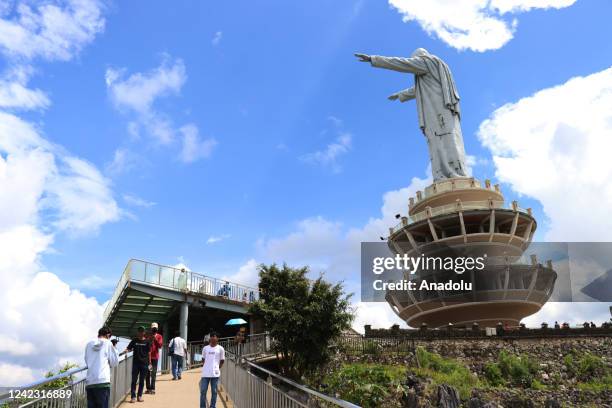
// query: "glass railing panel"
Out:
[152,273]
[166,277]
[137,270]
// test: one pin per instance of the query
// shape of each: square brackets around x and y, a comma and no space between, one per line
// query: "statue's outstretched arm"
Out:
[413,65]
[403,96]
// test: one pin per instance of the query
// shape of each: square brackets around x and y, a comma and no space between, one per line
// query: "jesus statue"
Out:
[437,102]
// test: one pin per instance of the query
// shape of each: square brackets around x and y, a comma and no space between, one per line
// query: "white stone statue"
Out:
[437,102]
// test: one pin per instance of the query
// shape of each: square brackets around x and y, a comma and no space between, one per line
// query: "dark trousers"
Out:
[97,397]
[151,376]
[139,372]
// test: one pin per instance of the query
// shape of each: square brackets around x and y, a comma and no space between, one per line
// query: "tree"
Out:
[302,316]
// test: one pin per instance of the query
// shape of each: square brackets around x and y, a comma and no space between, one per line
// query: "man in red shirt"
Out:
[156,344]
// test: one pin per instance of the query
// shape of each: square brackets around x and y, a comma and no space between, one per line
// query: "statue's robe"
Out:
[437,102]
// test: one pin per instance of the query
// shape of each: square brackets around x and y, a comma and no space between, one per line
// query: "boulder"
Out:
[447,397]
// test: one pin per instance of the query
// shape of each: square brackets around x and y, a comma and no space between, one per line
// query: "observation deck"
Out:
[148,292]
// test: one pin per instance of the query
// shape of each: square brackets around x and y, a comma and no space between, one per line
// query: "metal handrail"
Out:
[78,385]
[338,402]
[239,358]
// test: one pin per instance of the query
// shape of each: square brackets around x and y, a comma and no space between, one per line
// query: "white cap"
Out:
[154,326]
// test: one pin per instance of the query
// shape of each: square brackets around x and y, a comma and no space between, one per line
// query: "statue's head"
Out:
[419,52]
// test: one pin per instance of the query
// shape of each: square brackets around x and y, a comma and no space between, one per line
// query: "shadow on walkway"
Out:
[181,393]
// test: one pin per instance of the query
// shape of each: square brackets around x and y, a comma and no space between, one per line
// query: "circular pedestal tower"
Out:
[461,216]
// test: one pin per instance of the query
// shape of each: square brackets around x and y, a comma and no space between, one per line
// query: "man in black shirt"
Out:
[141,346]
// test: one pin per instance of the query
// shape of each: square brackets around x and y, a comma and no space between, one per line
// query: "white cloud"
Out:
[478,25]
[137,201]
[139,91]
[329,247]
[554,146]
[43,191]
[14,93]
[328,156]
[247,274]
[15,374]
[217,38]
[377,314]
[82,197]
[193,147]
[51,30]
[123,161]
[137,94]
[95,282]
[217,238]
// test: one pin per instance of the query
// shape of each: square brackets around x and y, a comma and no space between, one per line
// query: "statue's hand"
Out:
[393,97]
[363,57]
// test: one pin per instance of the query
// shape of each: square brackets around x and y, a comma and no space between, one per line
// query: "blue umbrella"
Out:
[235,322]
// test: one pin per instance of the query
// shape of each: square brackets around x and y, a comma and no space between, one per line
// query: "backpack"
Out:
[171,348]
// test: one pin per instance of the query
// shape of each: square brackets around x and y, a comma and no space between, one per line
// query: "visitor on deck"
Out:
[100,357]
[141,362]
[239,340]
[213,357]
[157,342]
[178,351]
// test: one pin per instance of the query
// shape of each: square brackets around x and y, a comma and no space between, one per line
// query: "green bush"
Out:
[494,375]
[519,370]
[590,366]
[585,366]
[597,385]
[365,385]
[445,371]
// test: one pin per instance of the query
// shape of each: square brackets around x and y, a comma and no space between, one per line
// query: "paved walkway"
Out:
[183,393]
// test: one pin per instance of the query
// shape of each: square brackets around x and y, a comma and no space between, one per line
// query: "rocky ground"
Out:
[560,378]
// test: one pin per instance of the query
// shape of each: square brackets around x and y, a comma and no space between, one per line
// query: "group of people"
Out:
[101,355]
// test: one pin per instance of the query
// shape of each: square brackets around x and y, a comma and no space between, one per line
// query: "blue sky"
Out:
[222,135]
[266,93]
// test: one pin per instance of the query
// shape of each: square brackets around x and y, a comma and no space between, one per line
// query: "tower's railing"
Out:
[451,208]
[68,389]
[182,280]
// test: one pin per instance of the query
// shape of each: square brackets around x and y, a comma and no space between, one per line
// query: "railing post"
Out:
[269,391]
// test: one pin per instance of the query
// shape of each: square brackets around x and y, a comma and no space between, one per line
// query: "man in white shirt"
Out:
[100,356]
[179,351]
[213,357]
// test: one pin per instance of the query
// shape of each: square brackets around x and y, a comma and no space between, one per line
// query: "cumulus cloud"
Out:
[247,274]
[553,146]
[43,191]
[139,91]
[477,25]
[330,247]
[51,30]
[14,93]
[194,148]
[137,94]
